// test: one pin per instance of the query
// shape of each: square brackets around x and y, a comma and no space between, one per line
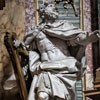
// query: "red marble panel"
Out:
[87,27]
[29,14]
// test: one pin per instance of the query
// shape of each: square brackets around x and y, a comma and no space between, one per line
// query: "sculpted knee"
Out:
[43,96]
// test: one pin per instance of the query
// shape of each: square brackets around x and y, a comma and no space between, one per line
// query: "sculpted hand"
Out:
[97,32]
[17,43]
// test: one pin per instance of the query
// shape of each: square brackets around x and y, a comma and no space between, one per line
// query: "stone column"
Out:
[29,14]
[92,52]
[88,28]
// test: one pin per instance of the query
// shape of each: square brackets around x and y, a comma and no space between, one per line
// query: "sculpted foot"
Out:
[43,96]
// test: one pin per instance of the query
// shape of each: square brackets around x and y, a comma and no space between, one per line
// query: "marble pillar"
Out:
[89,56]
[29,14]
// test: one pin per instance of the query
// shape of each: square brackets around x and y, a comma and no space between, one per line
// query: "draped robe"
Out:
[55,70]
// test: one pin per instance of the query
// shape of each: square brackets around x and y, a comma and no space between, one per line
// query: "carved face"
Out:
[49,12]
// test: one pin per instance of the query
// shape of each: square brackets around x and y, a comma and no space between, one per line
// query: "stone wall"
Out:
[12,19]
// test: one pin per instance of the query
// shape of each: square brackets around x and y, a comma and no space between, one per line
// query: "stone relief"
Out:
[66,2]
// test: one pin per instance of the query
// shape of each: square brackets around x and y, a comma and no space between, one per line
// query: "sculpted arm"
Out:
[30,36]
[84,39]
[75,37]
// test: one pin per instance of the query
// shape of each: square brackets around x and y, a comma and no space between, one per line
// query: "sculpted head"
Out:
[48,11]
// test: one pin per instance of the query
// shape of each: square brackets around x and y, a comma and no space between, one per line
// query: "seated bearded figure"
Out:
[54,69]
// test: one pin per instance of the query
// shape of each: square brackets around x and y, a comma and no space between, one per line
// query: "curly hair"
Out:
[48,11]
